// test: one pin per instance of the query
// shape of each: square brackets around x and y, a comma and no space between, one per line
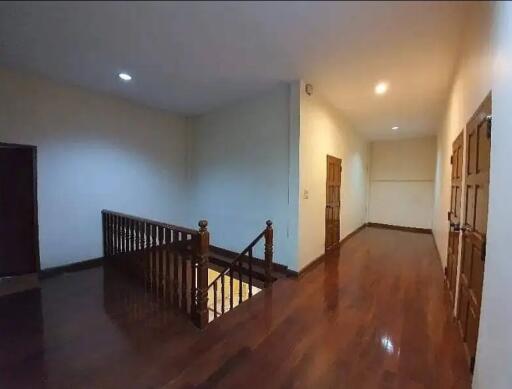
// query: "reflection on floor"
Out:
[17,284]
[212,275]
[373,316]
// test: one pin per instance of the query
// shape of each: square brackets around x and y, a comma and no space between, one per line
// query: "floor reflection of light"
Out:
[387,344]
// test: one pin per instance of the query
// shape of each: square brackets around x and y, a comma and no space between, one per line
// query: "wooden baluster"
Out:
[110,235]
[118,234]
[121,230]
[240,281]
[121,237]
[127,233]
[113,238]
[133,223]
[250,272]
[158,260]
[231,288]
[201,309]
[162,262]
[168,289]
[141,235]
[215,299]
[175,239]
[107,226]
[137,235]
[222,292]
[153,258]
[184,261]
[147,256]
[193,275]
[104,231]
[269,248]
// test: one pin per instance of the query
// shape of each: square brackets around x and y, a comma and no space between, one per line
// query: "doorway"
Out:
[333,203]
[474,225]
[19,236]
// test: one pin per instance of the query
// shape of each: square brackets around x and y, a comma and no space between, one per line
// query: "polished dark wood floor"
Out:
[374,315]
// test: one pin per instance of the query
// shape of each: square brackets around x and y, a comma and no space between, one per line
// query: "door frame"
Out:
[476,116]
[35,203]
[335,245]
[454,289]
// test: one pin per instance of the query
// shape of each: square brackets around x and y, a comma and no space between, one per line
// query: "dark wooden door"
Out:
[332,207]
[454,215]
[474,228]
[19,253]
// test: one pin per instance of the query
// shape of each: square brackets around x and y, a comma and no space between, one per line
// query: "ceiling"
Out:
[190,58]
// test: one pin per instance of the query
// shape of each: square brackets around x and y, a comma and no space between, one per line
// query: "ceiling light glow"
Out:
[395,128]
[125,76]
[381,88]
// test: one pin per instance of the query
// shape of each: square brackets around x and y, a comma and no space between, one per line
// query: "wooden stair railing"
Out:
[244,274]
[171,260]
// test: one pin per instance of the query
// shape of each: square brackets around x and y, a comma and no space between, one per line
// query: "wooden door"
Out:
[19,252]
[454,214]
[474,228]
[332,207]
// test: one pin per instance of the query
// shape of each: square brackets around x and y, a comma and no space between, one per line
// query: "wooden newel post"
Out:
[104,231]
[202,275]
[269,250]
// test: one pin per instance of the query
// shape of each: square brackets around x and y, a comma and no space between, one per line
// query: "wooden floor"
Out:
[374,316]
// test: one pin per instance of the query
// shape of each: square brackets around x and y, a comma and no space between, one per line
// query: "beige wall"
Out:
[240,160]
[486,63]
[471,84]
[494,354]
[402,182]
[94,151]
[324,131]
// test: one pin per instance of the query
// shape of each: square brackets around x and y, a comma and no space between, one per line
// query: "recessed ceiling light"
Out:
[395,128]
[125,76]
[381,88]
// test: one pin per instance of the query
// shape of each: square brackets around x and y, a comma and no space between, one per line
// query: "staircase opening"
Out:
[180,269]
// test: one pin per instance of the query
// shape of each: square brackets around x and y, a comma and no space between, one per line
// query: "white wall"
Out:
[402,182]
[486,63]
[494,354]
[94,152]
[244,171]
[472,82]
[324,131]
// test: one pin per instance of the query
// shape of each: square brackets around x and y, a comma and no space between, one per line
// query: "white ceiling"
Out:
[192,57]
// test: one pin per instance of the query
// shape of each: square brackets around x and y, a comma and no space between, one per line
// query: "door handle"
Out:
[466,228]
[455,226]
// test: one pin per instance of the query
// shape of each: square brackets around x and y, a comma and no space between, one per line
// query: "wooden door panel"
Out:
[477,275]
[480,209]
[333,204]
[454,214]
[462,310]
[472,329]
[478,131]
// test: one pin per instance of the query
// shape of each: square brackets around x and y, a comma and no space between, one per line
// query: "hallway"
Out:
[376,318]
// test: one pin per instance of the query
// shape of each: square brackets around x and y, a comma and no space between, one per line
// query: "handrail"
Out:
[153,246]
[237,267]
[238,257]
[154,222]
